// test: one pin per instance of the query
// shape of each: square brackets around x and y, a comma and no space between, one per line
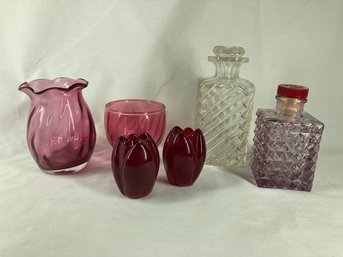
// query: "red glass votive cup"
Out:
[134,116]
[135,164]
[184,154]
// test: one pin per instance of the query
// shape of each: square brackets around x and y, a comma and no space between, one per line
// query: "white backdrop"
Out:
[157,49]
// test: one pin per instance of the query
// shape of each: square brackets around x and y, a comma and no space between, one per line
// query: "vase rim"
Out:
[39,86]
[152,107]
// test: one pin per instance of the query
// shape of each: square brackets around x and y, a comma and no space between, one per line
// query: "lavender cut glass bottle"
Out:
[286,142]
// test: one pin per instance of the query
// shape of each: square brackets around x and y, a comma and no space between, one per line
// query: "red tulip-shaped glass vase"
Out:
[135,164]
[184,154]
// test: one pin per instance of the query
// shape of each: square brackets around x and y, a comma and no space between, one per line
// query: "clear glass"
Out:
[224,107]
[134,116]
[60,129]
[286,146]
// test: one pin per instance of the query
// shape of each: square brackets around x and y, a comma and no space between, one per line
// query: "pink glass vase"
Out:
[60,130]
[134,116]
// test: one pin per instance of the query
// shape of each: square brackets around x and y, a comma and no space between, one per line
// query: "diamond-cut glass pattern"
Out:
[224,109]
[285,150]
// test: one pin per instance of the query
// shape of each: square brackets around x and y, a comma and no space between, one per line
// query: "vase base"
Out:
[67,170]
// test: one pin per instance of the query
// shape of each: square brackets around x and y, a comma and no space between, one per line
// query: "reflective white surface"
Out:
[157,50]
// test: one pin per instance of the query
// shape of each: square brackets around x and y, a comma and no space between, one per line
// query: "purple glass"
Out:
[286,142]
[60,129]
[134,116]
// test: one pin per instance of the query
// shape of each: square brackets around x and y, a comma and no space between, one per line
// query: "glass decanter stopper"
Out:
[286,142]
[224,106]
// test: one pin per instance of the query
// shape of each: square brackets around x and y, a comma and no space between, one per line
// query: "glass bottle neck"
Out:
[289,107]
[227,69]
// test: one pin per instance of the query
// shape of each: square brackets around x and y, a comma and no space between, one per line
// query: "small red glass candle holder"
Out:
[184,154]
[134,116]
[135,164]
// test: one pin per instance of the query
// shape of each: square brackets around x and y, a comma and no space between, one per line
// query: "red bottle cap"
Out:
[292,91]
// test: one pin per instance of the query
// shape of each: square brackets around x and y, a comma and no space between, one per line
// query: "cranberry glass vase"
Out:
[134,116]
[60,130]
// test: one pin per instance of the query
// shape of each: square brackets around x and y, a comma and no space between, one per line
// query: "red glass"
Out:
[292,91]
[60,129]
[135,164]
[134,116]
[184,154]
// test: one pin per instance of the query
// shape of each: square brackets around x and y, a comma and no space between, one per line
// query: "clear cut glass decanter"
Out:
[286,142]
[224,106]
